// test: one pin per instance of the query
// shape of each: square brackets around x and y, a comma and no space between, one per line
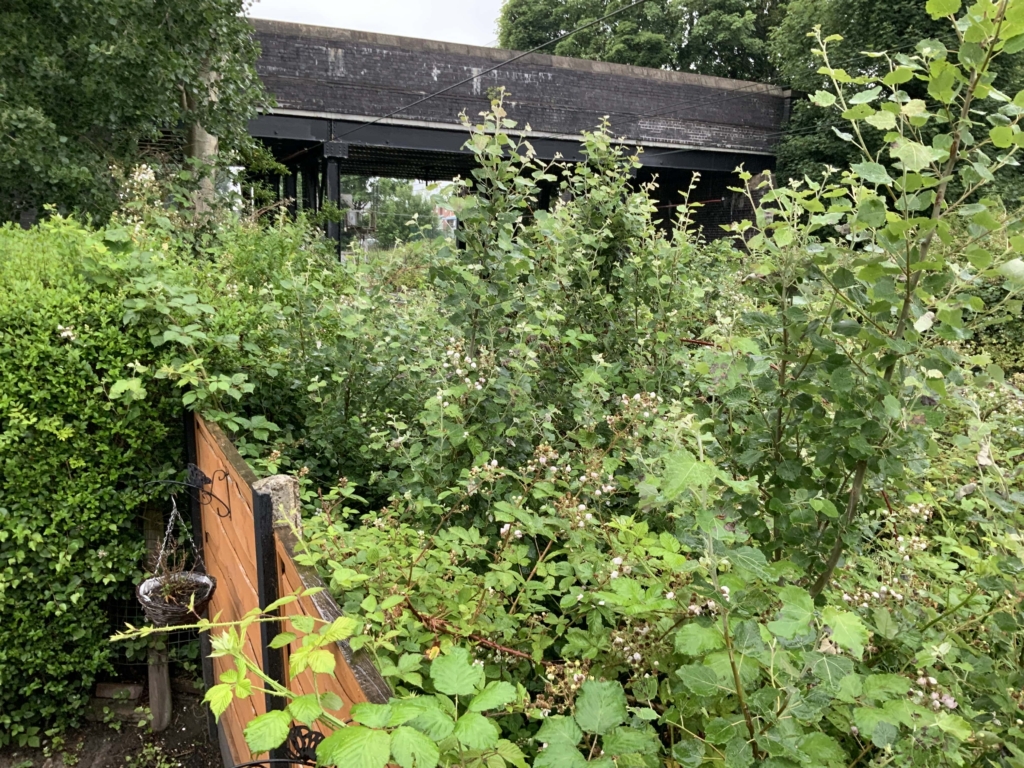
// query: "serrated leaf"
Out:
[372,715]
[496,694]
[796,614]
[693,639]
[700,679]
[432,721]
[306,709]
[823,98]
[268,731]
[474,731]
[219,698]
[914,156]
[682,471]
[412,749]
[304,624]
[511,753]
[823,750]
[954,725]
[559,729]
[873,173]
[330,701]
[600,706]
[455,673]
[559,756]
[355,747]
[625,741]
[884,735]
[938,9]
[848,631]
[750,560]
[282,639]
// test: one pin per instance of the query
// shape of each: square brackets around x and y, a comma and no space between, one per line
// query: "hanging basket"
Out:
[173,596]
[165,599]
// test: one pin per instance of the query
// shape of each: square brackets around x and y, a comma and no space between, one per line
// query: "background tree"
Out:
[394,202]
[83,83]
[727,38]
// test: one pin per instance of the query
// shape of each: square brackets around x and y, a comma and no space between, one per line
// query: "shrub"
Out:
[72,466]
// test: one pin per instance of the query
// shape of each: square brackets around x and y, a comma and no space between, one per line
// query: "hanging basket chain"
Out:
[161,560]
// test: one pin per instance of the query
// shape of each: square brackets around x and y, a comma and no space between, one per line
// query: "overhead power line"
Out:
[505,63]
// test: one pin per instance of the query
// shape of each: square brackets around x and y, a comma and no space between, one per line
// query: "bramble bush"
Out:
[764,516]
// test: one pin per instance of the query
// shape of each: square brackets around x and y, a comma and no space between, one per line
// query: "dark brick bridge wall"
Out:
[347,74]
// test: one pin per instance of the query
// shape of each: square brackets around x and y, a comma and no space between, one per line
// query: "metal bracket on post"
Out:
[336,149]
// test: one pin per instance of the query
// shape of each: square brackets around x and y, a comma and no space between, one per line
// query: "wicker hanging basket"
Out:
[197,588]
[171,597]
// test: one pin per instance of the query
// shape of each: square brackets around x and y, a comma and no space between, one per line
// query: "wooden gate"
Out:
[252,559]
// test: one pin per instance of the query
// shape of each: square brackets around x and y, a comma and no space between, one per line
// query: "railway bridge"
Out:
[330,85]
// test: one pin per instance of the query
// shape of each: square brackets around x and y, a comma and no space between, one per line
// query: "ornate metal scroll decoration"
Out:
[301,744]
[197,480]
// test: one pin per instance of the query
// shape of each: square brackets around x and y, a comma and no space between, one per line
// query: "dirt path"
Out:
[185,744]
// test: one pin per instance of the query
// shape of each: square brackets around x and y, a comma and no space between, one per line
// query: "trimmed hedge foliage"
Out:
[72,462]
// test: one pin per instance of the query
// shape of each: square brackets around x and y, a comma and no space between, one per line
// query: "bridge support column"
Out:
[332,188]
[290,189]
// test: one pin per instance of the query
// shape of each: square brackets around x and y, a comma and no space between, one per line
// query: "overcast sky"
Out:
[456,21]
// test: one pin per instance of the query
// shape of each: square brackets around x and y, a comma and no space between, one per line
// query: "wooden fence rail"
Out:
[246,533]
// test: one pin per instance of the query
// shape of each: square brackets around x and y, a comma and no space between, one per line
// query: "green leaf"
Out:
[600,706]
[355,747]
[885,686]
[873,173]
[626,741]
[747,666]
[899,76]
[884,735]
[954,725]
[1012,270]
[304,624]
[474,731]
[941,8]
[796,614]
[871,211]
[682,471]
[433,721]
[696,640]
[700,679]
[914,156]
[559,729]
[496,694]
[372,715]
[269,731]
[306,709]
[865,96]
[823,98]
[510,753]
[559,756]
[219,697]
[823,750]
[848,631]
[455,674]
[884,624]
[1002,136]
[282,639]
[411,749]
[750,560]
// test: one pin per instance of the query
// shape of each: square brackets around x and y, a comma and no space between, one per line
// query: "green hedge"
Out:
[71,465]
